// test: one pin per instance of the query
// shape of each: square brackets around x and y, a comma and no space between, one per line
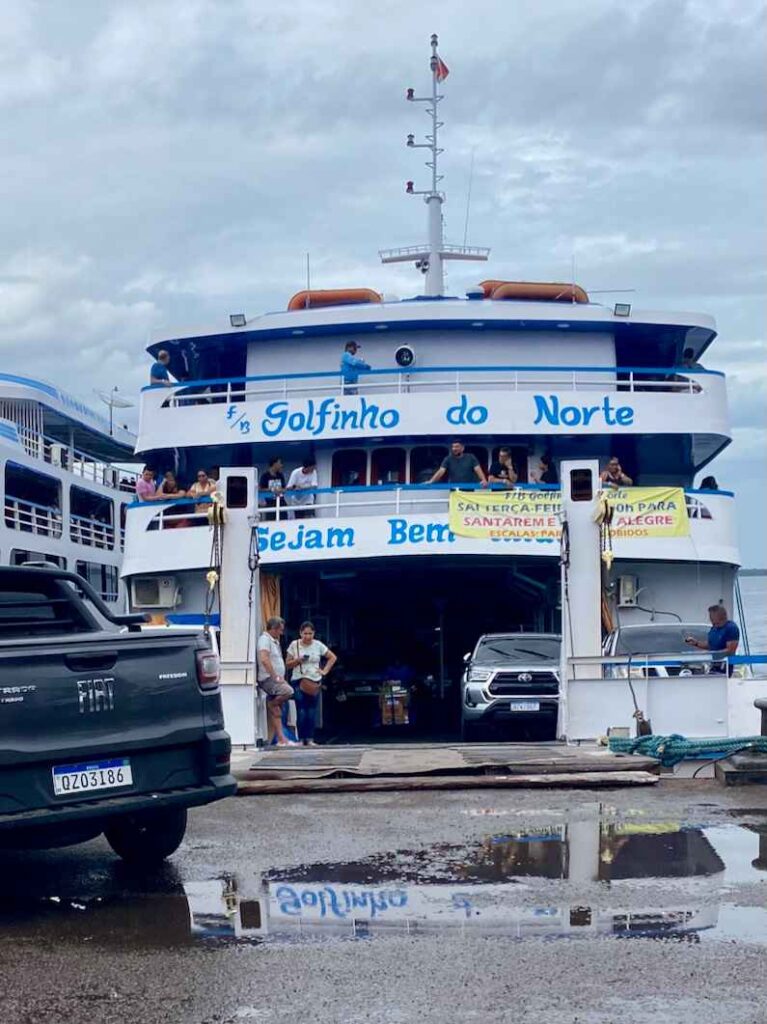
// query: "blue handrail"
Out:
[666,371]
[378,488]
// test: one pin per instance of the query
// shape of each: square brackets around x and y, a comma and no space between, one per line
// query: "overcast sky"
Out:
[167,162]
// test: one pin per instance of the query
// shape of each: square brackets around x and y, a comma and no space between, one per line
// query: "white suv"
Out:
[511,676]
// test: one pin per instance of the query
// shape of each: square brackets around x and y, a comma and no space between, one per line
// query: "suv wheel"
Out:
[149,837]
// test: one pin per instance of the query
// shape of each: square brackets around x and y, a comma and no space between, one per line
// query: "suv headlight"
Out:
[478,675]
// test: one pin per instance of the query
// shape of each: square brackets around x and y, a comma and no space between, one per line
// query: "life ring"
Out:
[333,297]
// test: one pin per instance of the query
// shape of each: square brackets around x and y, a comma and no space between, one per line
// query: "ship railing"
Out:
[44,520]
[91,532]
[177,513]
[56,453]
[335,502]
[664,664]
[368,500]
[416,380]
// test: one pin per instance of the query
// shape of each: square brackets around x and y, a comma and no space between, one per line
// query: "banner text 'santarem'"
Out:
[637,512]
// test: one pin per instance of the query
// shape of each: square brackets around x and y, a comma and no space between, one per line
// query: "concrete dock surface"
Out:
[627,906]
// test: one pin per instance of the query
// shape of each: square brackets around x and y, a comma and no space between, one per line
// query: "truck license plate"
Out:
[525,705]
[69,779]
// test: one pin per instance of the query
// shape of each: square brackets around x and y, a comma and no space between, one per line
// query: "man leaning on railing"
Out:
[723,637]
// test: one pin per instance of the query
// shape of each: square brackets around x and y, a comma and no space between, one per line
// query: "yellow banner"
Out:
[535,515]
[648,512]
[505,515]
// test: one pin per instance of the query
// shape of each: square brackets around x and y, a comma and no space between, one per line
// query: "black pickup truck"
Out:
[104,727]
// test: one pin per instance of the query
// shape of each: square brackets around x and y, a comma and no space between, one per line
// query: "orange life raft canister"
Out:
[540,291]
[332,297]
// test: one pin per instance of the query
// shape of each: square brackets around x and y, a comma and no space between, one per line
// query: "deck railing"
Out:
[56,453]
[383,499]
[420,380]
[48,521]
[91,532]
[43,520]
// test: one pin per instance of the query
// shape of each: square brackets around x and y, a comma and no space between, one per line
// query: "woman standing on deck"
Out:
[305,657]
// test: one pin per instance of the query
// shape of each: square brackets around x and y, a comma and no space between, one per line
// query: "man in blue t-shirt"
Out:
[159,374]
[351,364]
[723,637]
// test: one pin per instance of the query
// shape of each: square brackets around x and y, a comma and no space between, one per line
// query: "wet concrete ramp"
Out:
[444,765]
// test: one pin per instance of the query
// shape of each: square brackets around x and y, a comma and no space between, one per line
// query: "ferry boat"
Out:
[65,483]
[541,368]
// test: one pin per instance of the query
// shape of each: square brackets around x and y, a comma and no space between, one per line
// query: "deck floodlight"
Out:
[237,319]
[622,309]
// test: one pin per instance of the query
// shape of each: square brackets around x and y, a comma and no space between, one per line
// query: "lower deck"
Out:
[415,618]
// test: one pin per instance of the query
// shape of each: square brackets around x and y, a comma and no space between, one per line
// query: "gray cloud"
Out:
[167,161]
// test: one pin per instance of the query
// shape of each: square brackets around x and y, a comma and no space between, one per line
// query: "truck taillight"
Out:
[208,670]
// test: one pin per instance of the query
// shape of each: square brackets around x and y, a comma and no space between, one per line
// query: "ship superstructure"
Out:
[539,368]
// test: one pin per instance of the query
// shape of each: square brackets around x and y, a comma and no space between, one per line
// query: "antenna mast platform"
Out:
[429,258]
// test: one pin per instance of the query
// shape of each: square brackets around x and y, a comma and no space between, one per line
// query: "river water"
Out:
[754,591]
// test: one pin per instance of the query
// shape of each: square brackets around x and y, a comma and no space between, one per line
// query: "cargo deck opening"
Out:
[413,620]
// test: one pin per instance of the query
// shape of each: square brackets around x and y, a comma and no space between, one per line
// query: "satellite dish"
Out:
[113,400]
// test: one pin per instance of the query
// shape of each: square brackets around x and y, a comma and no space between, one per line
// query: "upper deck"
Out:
[480,366]
[50,425]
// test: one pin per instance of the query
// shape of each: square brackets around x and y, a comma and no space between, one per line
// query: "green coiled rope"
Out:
[670,750]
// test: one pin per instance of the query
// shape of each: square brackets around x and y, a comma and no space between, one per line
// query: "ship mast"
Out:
[429,258]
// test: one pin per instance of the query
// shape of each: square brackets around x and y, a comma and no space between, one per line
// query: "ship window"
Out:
[425,461]
[91,519]
[103,578]
[518,457]
[387,466]
[20,557]
[237,492]
[350,468]
[32,501]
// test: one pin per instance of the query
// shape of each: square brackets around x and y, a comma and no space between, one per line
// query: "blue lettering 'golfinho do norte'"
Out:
[557,415]
[327,416]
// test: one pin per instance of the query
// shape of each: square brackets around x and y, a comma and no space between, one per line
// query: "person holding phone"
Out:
[311,660]
[613,476]
[723,637]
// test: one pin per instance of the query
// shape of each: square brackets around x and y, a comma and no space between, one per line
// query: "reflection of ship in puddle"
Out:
[478,888]
[489,887]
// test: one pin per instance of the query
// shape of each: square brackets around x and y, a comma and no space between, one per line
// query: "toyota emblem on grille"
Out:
[525,677]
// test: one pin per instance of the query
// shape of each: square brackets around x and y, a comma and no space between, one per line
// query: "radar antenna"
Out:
[429,258]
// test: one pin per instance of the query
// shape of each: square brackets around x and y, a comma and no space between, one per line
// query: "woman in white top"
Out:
[311,661]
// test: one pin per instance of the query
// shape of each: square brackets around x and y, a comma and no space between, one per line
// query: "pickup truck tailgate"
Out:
[101,698]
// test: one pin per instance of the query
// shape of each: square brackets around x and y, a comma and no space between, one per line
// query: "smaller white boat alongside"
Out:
[63,495]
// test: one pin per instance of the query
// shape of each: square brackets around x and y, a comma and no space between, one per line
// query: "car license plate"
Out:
[525,705]
[71,779]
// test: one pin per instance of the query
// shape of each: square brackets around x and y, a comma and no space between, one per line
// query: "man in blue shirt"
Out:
[351,364]
[159,374]
[723,637]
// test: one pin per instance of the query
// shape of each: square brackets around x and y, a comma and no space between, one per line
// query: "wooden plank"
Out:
[572,780]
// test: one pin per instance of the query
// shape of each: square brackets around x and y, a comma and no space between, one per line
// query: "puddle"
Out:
[588,876]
